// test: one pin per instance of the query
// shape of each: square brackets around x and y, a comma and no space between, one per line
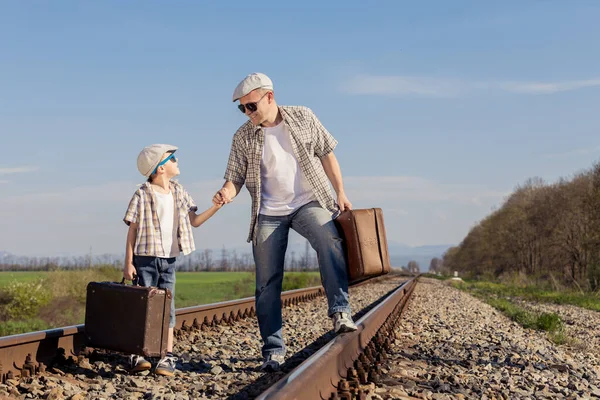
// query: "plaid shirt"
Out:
[310,141]
[142,210]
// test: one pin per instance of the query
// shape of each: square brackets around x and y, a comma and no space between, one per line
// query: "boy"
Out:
[160,216]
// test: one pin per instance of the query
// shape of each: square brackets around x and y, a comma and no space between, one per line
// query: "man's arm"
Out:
[237,166]
[334,173]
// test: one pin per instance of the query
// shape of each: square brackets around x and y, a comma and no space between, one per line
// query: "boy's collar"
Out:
[172,182]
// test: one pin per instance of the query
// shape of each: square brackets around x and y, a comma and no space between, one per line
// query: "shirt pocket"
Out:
[309,147]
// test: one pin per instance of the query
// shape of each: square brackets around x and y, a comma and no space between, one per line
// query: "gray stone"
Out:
[216,370]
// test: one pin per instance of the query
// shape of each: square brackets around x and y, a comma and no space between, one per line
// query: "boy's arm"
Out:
[128,268]
[198,219]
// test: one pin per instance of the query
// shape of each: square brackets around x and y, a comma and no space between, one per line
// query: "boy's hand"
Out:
[222,197]
[128,271]
[217,204]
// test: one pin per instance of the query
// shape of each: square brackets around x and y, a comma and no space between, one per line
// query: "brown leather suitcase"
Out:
[365,243]
[127,318]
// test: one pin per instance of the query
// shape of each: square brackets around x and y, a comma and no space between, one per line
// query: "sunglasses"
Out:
[251,106]
[163,162]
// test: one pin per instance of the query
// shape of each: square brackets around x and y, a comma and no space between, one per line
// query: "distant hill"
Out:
[401,254]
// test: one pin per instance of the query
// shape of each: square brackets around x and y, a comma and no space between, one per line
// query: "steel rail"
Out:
[326,373]
[29,353]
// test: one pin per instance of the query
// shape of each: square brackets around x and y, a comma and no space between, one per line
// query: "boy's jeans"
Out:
[315,224]
[157,272]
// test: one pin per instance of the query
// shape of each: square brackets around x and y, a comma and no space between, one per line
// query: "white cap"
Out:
[252,82]
[150,156]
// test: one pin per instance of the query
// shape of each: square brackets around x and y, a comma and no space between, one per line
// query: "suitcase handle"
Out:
[134,281]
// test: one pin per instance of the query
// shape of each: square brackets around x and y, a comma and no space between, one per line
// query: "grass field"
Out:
[191,288]
[21,276]
[194,288]
[55,299]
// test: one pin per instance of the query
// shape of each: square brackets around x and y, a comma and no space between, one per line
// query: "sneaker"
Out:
[342,322]
[138,363]
[166,366]
[272,362]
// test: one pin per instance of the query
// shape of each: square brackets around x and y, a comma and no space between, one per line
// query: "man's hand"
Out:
[128,271]
[343,202]
[222,197]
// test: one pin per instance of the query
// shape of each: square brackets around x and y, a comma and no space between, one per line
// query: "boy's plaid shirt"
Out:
[310,141]
[142,210]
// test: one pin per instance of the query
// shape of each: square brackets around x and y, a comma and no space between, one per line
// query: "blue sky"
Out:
[440,108]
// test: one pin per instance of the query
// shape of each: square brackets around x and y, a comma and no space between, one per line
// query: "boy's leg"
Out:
[170,341]
[146,269]
[166,280]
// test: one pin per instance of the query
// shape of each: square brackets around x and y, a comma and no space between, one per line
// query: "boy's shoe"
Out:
[138,363]
[166,366]
[273,362]
[342,322]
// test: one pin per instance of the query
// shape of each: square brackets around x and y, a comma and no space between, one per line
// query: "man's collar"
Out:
[256,128]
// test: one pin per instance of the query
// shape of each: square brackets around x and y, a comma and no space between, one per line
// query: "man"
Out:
[284,156]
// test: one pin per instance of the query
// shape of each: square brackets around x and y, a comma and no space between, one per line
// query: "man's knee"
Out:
[328,235]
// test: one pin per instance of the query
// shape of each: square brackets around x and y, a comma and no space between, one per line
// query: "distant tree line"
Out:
[200,260]
[411,268]
[544,232]
[436,265]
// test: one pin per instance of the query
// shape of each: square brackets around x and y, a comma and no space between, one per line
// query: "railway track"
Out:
[218,345]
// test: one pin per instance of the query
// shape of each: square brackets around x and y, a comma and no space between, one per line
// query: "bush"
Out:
[73,284]
[25,299]
[549,322]
[594,277]
[18,327]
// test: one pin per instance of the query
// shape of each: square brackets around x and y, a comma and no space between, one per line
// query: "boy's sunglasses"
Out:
[251,106]
[163,162]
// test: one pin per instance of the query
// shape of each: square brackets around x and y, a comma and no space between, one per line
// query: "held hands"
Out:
[222,197]
[343,202]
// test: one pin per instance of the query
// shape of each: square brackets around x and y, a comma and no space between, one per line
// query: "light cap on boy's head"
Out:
[150,156]
[252,82]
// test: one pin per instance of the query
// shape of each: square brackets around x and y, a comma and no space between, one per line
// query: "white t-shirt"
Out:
[167,217]
[284,186]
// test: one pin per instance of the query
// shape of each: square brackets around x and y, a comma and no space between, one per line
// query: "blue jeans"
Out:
[157,272]
[315,224]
